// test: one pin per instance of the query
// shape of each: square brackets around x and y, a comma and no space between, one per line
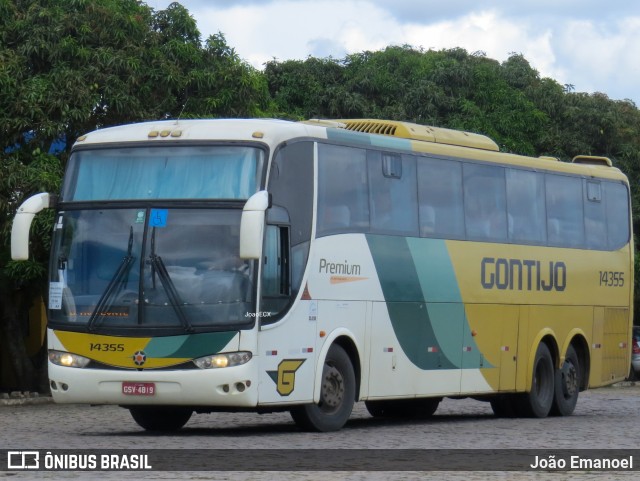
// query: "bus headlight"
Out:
[228,359]
[67,359]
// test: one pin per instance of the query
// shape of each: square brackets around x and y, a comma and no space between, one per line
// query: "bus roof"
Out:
[381,133]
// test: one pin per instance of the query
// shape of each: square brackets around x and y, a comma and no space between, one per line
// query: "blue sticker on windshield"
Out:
[158,217]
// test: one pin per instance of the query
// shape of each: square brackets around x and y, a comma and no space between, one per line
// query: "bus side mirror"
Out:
[252,225]
[22,224]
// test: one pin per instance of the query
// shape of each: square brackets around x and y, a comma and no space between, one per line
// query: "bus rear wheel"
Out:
[337,395]
[537,402]
[567,386]
[160,418]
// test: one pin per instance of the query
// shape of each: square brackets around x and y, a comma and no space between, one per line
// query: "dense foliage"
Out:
[70,67]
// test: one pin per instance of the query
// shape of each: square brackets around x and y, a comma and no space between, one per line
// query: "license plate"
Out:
[139,388]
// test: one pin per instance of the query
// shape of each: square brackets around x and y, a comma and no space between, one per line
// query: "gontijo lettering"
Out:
[522,274]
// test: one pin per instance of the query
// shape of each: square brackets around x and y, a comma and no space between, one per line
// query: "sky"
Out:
[593,45]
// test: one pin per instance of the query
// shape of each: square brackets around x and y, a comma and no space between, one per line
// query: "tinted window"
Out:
[393,203]
[484,202]
[565,224]
[343,193]
[291,184]
[185,172]
[595,225]
[440,195]
[617,201]
[526,207]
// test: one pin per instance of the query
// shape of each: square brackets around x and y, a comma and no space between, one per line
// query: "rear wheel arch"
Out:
[581,347]
[548,338]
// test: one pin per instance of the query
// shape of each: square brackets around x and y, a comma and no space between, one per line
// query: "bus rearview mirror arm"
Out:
[22,223]
[252,225]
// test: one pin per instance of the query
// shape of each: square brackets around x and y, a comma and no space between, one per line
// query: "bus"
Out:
[200,266]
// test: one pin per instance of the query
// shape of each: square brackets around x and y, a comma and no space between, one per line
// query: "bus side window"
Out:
[343,191]
[440,198]
[617,205]
[525,206]
[594,216]
[565,220]
[484,202]
[393,195]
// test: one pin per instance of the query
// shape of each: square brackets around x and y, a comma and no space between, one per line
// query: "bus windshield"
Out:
[164,172]
[171,268]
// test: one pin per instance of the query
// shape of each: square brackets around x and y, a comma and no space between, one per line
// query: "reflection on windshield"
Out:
[118,281]
[123,268]
[184,172]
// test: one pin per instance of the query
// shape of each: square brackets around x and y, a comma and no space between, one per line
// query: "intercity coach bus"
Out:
[265,265]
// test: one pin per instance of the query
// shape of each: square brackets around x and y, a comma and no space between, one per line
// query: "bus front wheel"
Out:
[337,395]
[160,418]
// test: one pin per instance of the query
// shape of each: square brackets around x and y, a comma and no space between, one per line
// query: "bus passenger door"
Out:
[286,342]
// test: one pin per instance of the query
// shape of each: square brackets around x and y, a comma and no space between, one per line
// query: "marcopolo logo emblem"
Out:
[23,460]
[139,358]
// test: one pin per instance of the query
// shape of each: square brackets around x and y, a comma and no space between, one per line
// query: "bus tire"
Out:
[567,385]
[537,402]
[337,395]
[421,408]
[160,418]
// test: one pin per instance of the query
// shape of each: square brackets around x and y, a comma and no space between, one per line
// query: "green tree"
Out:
[68,67]
[22,282]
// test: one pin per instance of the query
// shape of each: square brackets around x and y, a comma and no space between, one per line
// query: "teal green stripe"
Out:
[394,143]
[396,268]
[435,271]
[406,303]
[446,322]
[368,140]
[346,136]
[424,301]
[189,346]
[442,293]
[414,330]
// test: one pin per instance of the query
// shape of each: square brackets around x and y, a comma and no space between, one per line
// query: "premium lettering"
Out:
[339,268]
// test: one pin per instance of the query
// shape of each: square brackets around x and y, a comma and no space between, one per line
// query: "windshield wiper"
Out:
[157,266]
[118,280]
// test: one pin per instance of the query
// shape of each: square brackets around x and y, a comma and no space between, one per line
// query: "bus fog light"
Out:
[228,359]
[67,359]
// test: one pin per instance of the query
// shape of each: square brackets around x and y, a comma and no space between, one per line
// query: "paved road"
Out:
[605,418]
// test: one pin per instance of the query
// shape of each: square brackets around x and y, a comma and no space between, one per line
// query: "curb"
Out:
[626,384]
[18,398]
